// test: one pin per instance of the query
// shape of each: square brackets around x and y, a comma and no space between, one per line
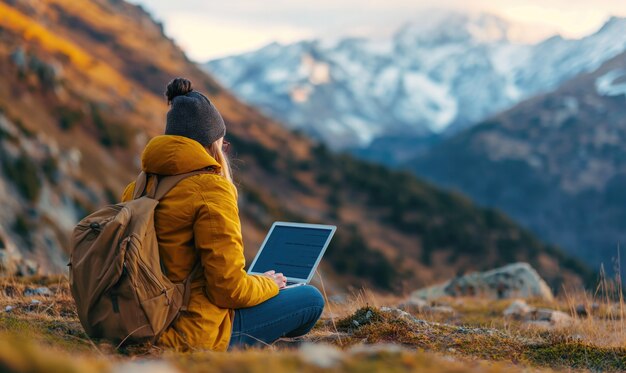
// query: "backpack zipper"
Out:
[151,276]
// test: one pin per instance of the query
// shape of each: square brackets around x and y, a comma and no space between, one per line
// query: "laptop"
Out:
[293,249]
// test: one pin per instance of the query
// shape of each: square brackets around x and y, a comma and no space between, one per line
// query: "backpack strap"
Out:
[140,184]
[166,183]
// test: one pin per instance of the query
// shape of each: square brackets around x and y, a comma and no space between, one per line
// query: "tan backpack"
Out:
[116,275]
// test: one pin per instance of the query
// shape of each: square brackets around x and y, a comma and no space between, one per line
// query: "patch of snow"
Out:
[606,86]
[428,99]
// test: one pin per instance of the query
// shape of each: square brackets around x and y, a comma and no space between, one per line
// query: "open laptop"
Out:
[293,249]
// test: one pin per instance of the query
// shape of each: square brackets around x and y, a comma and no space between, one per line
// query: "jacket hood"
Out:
[173,155]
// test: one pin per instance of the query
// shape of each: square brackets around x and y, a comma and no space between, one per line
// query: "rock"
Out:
[544,317]
[585,310]
[40,291]
[518,309]
[321,355]
[560,319]
[35,302]
[415,305]
[398,313]
[418,305]
[543,314]
[518,280]
[8,308]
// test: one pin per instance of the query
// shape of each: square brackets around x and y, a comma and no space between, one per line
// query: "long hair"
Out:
[216,152]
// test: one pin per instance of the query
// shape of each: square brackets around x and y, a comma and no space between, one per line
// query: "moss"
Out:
[68,336]
[393,331]
[578,356]
[363,316]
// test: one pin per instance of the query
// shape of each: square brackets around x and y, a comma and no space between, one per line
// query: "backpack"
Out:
[116,276]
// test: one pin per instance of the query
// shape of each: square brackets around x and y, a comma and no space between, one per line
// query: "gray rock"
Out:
[414,305]
[8,308]
[40,291]
[518,309]
[518,280]
[587,310]
[560,319]
[542,314]
[544,317]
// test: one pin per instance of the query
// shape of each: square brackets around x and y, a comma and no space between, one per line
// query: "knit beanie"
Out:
[192,114]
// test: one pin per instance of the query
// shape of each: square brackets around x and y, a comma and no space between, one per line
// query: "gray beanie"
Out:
[192,115]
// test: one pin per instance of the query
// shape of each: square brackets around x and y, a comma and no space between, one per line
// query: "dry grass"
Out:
[475,338]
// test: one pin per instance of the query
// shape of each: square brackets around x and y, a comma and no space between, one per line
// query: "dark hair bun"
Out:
[177,87]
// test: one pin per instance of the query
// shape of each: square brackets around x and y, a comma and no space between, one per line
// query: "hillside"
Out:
[438,73]
[555,163]
[81,92]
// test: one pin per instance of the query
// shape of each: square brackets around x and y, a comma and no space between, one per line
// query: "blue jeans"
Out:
[291,313]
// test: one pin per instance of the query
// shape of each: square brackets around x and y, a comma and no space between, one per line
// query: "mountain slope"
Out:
[86,78]
[437,74]
[556,163]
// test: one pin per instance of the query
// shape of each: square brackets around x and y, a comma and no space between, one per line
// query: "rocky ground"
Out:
[39,331]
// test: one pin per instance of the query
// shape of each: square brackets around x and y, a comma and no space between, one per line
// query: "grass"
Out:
[358,335]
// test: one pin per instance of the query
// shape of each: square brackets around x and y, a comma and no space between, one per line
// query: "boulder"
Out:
[517,280]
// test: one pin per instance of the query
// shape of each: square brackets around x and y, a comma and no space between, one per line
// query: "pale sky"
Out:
[212,29]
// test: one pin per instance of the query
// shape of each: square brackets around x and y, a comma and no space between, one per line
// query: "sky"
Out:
[213,29]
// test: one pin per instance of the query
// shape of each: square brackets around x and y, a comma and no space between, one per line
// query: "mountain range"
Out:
[440,72]
[556,163]
[81,92]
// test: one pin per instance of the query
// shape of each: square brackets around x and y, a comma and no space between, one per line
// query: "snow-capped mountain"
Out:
[438,73]
[554,162]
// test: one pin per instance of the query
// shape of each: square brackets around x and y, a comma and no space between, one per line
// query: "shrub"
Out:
[23,173]
[111,133]
[68,118]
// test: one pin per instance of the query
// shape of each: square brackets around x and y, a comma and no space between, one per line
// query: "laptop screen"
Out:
[294,251]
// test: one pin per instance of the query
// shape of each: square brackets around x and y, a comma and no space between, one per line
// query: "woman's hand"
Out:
[278,278]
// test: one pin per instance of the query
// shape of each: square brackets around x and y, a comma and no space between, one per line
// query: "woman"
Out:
[198,221]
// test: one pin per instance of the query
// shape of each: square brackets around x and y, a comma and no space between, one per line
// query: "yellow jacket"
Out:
[199,220]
